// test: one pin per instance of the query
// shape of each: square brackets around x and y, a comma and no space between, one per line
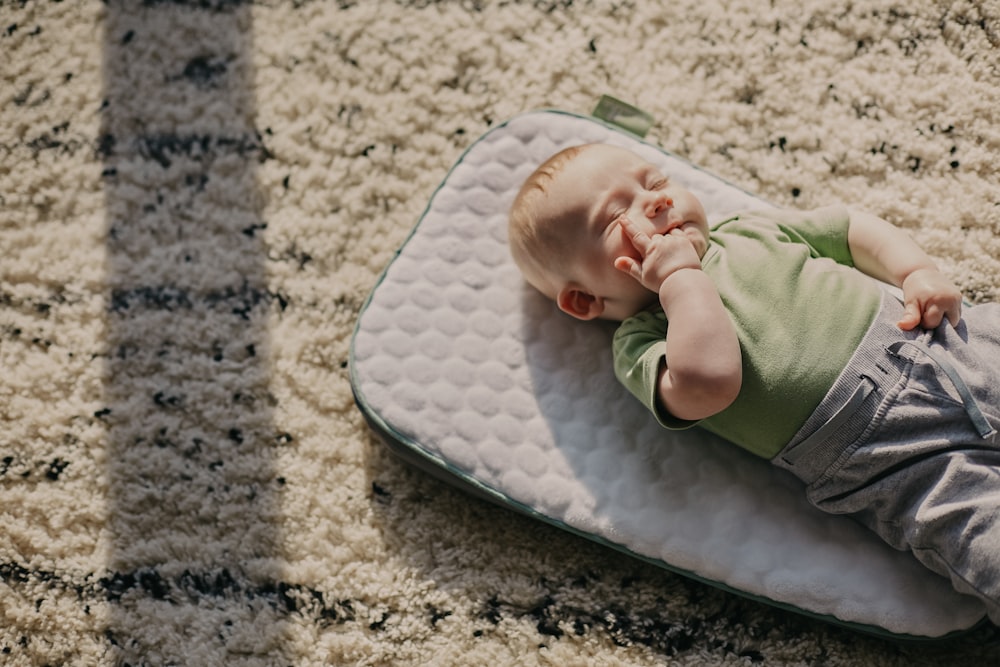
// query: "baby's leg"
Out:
[924,476]
[947,510]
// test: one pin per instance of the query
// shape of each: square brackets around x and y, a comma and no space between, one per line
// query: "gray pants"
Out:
[906,443]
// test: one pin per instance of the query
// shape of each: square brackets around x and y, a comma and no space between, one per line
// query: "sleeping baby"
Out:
[768,330]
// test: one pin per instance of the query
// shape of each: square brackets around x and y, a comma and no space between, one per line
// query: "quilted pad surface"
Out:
[457,362]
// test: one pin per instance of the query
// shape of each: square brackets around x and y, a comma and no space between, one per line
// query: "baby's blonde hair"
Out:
[536,243]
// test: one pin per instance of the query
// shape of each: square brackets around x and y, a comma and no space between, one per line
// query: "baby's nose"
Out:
[658,202]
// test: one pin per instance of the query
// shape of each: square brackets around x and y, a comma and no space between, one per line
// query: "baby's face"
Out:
[596,190]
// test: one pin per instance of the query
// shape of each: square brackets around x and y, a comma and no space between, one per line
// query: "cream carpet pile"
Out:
[197,195]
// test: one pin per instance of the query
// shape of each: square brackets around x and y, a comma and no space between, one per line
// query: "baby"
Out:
[768,331]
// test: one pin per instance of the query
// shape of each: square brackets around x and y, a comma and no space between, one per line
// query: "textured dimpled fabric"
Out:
[457,362]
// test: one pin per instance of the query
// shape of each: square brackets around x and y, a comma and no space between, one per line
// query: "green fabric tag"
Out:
[623,115]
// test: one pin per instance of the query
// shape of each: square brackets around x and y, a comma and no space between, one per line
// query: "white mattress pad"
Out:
[469,373]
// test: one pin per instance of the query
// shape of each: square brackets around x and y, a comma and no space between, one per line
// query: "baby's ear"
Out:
[579,303]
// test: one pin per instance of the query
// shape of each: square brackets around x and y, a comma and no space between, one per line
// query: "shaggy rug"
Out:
[197,195]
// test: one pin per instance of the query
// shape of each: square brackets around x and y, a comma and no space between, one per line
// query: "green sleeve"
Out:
[639,348]
[823,230]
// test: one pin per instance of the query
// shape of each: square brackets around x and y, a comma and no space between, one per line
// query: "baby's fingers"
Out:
[911,317]
[953,312]
[944,305]
[638,237]
[629,266]
[931,314]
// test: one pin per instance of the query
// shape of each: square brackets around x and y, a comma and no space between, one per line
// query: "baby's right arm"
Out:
[703,372]
[886,252]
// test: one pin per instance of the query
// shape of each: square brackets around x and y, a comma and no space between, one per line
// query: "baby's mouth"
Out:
[679,224]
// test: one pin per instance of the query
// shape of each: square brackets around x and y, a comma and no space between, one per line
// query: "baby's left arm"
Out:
[886,252]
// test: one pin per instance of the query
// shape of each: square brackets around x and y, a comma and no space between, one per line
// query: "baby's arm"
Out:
[886,252]
[703,372]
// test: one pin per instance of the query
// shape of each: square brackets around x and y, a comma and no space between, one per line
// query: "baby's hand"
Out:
[659,255]
[929,297]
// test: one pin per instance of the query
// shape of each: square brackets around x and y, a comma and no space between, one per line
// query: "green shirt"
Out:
[799,308]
